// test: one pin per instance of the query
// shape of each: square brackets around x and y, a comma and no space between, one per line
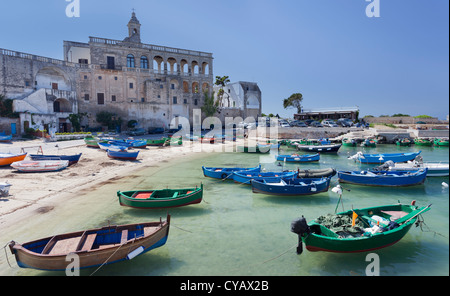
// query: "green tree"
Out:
[75,120]
[209,107]
[294,101]
[6,108]
[221,81]
[108,119]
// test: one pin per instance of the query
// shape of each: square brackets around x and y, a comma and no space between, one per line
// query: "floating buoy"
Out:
[445,185]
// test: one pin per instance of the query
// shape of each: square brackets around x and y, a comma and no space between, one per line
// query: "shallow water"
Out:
[236,232]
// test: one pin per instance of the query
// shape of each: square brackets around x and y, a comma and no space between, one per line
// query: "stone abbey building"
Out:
[135,81]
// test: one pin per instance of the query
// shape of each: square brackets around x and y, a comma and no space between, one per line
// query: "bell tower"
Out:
[134,29]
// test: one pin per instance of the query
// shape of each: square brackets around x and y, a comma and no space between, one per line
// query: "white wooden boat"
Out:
[435,169]
[38,166]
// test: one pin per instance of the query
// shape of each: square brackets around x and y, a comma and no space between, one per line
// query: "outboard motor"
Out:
[300,227]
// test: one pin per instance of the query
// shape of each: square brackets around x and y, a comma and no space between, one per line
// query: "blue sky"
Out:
[328,50]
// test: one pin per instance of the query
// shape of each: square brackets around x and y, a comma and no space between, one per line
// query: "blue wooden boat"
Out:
[224,173]
[73,159]
[383,178]
[247,177]
[5,138]
[106,146]
[137,143]
[299,158]
[383,157]
[291,186]
[122,154]
[121,143]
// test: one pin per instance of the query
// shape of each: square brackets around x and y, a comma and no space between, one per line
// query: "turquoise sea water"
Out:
[235,232]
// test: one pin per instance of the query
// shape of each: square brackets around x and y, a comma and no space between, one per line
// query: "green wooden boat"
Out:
[348,142]
[164,198]
[156,142]
[375,228]
[423,142]
[403,142]
[91,141]
[441,142]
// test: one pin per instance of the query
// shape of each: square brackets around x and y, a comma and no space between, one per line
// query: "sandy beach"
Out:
[38,193]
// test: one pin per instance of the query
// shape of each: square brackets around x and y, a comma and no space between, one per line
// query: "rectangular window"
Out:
[113,98]
[83,61]
[99,77]
[185,101]
[131,84]
[142,100]
[172,86]
[195,102]
[85,77]
[110,63]
[174,100]
[86,97]
[100,98]
[161,86]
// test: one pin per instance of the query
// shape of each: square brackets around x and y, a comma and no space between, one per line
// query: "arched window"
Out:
[144,62]
[130,61]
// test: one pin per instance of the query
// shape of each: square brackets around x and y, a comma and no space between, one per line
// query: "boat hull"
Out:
[123,155]
[155,199]
[297,188]
[73,159]
[299,158]
[40,166]
[116,247]
[383,178]
[381,158]
[320,148]
[224,173]
[247,177]
[7,159]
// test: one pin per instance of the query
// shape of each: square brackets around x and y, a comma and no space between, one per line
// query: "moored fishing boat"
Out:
[73,159]
[299,158]
[163,198]
[434,169]
[349,142]
[93,247]
[9,158]
[246,177]
[331,148]
[291,186]
[358,230]
[137,143]
[403,142]
[382,157]
[122,154]
[369,143]
[441,142]
[383,178]
[40,166]
[423,142]
[225,173]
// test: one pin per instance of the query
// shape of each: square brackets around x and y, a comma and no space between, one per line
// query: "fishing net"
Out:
[342,225]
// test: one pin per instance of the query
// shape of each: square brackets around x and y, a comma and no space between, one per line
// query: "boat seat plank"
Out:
[394,215]
[150,230]
[90,239]
[124,236]
[65,246]
[143,195]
